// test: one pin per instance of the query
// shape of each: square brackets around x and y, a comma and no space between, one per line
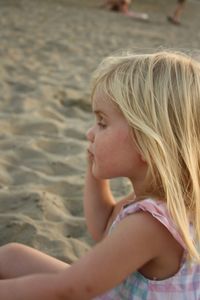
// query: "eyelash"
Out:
[101,125]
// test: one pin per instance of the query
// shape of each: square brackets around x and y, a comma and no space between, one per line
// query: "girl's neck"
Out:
[142,192]
[146,189]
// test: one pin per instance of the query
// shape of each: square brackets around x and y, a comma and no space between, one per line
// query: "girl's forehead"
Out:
[99,99]
[104,104]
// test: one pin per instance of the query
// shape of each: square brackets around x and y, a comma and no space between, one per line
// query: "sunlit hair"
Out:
[159,95]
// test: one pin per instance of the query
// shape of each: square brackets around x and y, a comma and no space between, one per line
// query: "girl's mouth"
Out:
[91,156]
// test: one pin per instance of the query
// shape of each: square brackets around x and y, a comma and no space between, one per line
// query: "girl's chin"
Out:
[100,176]
[97,174]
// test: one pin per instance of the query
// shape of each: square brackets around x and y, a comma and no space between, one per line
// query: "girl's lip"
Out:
[90,153]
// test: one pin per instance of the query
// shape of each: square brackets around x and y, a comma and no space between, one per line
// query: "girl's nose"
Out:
[90,134]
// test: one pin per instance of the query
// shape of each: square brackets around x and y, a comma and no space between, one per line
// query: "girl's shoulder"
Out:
[157,208]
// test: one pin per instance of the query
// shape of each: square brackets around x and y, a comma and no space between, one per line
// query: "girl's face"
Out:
[111,145]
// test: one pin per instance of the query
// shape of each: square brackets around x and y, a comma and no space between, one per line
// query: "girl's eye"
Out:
[100,121]
[101,125]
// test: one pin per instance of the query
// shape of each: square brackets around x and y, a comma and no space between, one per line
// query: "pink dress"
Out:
[184,285]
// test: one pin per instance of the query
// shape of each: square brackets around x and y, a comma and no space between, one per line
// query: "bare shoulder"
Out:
[157,252]
[139,229]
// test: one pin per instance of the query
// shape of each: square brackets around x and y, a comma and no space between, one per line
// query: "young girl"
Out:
[147,129]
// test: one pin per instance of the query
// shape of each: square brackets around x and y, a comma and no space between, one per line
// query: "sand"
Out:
[48,51]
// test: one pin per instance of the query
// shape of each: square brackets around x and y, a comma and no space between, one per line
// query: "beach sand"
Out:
[48,51]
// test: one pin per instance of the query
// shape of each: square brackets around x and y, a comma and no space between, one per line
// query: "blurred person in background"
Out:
[123,7]
[174,18]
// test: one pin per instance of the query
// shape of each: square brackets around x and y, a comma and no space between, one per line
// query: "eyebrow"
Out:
[99,112]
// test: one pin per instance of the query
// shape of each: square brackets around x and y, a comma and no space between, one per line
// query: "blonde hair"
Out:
[159,95]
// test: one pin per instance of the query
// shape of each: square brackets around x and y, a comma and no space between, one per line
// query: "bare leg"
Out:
[18,260]
[178,11]
[124,8]
[175,17]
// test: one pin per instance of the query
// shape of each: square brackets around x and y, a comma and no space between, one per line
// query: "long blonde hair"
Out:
[159,95]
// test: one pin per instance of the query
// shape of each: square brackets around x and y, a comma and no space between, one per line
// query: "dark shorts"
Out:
[181,1]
